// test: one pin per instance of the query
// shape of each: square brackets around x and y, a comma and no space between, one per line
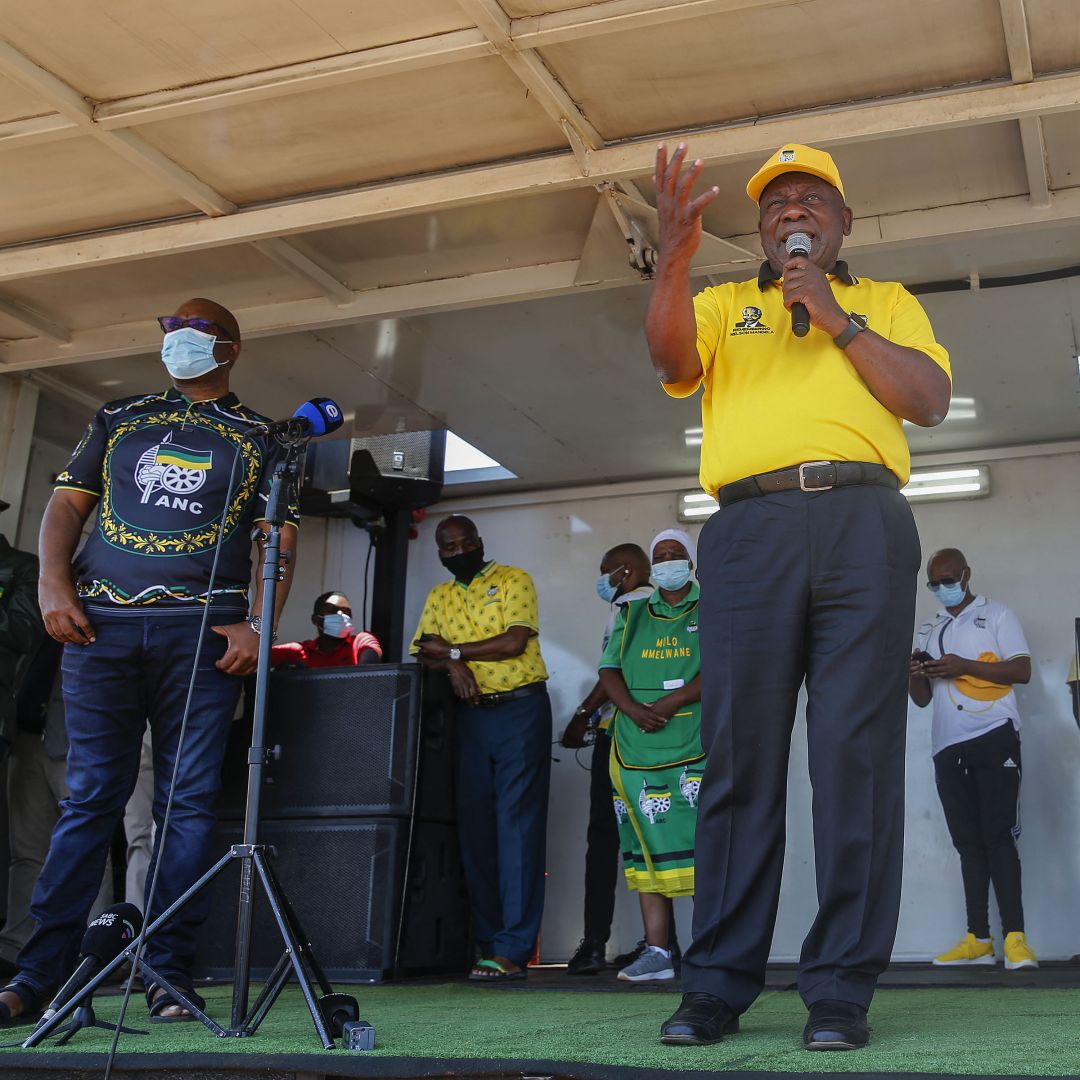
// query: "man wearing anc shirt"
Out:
[967,660]
[339,643]
[155,471]
[807,574]
[481,629]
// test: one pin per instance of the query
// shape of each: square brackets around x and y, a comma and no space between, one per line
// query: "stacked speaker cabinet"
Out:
[357,804]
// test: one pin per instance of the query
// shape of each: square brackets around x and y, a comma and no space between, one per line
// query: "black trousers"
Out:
[602,852]
[819,587]
[979,785]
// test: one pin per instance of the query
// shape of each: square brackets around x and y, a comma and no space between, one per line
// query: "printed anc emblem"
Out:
[689,786]
[620,810]
[173,470]
[654,801]
[750,323]
[785,156]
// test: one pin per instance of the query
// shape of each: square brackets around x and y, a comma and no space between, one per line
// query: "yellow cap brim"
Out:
[766,175]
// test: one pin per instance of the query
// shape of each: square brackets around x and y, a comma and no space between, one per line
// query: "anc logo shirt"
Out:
[161,466]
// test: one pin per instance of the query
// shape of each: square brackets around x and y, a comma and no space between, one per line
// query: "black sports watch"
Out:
[856,324]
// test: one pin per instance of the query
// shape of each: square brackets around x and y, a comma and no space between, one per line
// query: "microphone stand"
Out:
[84,1017]
[329,1011]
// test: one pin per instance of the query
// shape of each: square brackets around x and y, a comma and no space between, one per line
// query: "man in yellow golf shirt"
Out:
[481,627]
[807,574]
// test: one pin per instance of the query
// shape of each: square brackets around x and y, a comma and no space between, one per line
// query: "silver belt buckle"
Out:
[811,465]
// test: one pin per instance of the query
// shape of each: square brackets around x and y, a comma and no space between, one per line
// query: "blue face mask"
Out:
[949,595]
[337,625]
[605,590]
[188,353]
[671,575]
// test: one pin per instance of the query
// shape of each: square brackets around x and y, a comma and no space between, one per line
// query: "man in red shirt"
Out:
[339,643]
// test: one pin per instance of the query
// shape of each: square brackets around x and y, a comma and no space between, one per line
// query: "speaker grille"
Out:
[347,884]
[349,739]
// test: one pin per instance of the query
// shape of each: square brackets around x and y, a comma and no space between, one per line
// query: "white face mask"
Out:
[188,353]
[337,625]
[671,575]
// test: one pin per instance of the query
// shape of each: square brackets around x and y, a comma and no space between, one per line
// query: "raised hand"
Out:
[680,216]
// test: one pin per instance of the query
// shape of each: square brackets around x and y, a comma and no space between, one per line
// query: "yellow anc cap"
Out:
[794,157]
[982,689]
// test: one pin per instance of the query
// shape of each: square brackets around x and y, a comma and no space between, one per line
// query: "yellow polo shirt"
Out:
[496,599]
[772,400]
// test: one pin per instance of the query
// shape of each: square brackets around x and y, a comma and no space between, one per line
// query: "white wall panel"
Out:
[1021,544]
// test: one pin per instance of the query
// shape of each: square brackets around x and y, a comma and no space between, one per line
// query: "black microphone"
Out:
[316,417]
[105,938]
[799,244]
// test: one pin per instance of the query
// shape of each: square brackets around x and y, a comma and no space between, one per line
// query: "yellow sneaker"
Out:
[1018,953]
[970,951]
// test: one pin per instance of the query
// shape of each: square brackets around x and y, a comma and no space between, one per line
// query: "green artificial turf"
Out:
[1018,1031]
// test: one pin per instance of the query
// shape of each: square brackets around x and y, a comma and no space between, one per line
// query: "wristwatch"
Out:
[856,324]
[455,653]
[255,622]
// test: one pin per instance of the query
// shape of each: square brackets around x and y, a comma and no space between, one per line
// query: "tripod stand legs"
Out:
[297,959]
[295,948]
[84,1017]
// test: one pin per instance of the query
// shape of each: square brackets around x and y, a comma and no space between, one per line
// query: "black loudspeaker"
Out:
[357,478]
[351,745]
[358,888]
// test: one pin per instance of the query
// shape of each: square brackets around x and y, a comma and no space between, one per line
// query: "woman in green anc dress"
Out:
[651,673]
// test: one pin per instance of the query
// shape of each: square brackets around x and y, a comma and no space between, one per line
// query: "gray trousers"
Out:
[35,786]
[816,587]
[139,827]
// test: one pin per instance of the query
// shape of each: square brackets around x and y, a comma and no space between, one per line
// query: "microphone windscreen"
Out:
[114,929]
[798,244]
[322,414]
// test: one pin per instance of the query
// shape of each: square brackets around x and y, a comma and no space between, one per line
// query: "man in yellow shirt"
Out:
[481,628]
[807,572]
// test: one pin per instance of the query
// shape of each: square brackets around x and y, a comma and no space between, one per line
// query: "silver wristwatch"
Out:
[455,653]
[255,622]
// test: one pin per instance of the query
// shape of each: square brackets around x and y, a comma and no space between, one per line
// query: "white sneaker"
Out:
[652,965]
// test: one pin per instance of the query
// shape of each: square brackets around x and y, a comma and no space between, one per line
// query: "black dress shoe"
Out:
[588,960]
[836,1025]
[700,1020]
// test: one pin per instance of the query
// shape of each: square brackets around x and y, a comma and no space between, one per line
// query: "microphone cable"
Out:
[159,843]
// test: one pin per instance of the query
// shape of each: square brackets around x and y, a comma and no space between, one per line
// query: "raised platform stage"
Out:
[925,1021]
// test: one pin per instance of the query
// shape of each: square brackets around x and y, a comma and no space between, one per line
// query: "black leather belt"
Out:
[809,476]
[489,701]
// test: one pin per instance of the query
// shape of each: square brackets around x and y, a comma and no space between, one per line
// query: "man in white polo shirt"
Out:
[967,660]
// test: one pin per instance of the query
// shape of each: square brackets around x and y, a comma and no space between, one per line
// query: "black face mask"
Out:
[466,565]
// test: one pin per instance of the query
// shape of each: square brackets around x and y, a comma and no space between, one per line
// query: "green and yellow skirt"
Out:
[657,814]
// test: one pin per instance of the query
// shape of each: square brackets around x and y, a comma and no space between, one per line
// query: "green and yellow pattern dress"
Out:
[656,776]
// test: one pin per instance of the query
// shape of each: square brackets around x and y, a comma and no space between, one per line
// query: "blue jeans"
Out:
[503,771]
[136,671]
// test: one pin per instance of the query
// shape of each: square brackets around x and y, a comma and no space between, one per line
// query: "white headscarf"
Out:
[680,537]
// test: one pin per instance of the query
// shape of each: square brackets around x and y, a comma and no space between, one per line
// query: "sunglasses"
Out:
[948,582]
[169,323]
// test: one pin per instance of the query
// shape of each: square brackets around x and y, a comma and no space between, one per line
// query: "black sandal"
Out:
[157,1005]
[31,1005]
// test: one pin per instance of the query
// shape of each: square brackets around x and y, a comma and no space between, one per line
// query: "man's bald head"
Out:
[948,562]
[199,307]
[635,562]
